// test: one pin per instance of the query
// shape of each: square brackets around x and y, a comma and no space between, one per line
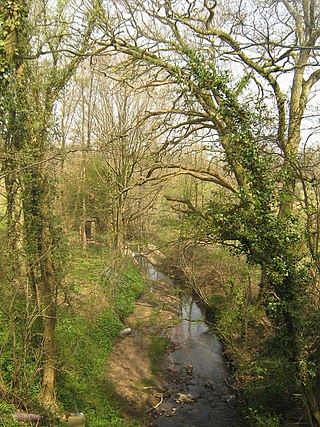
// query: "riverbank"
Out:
[187,384]
[136,360]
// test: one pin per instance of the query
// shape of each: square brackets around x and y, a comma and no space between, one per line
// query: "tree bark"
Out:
[49,304]
[311,404]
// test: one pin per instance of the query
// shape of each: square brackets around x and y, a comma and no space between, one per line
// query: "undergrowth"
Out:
[229,288]
[85,342]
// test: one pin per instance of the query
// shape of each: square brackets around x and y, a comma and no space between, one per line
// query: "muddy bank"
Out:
[191,388]
[131,364]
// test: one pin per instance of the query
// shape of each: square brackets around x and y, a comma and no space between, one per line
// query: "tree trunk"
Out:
[47,394]
[311,404]
[83,173]
[49,304]
[13,214]
[42,274]
[120,228]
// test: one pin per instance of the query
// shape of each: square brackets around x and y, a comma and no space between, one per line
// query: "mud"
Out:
[192,388]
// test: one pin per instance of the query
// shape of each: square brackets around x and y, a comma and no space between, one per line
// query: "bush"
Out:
[270,390]
[215,305]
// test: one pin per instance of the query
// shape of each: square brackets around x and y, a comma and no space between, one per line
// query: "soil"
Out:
[130,368]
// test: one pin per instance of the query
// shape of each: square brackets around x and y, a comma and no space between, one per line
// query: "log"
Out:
[22,416]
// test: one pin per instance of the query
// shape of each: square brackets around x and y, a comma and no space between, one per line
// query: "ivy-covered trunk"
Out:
[43,276]
[25,132]
[33,70]
[13,213]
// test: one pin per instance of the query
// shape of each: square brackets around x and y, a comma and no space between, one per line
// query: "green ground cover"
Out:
[86,336]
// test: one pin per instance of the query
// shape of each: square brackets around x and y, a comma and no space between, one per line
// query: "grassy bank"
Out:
[99,293]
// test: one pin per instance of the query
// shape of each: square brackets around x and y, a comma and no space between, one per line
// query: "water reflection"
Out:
[195,368]
[149,270]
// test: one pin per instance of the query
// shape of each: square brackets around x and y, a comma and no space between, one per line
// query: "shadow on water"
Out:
[195,374]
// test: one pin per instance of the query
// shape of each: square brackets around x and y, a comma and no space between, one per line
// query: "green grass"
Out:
[84,345]
[6,411]
[88,266]
[157,351]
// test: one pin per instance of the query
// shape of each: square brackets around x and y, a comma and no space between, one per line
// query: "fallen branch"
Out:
[158,404]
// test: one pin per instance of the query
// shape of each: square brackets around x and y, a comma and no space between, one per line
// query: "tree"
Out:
[122,147]
[41,47]
[127,148]
[231,67]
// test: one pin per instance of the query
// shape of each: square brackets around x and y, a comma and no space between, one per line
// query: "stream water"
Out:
[195,390]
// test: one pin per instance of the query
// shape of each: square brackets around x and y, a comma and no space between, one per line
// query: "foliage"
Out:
[83,352]
[234,314]
[257,420]
[123,289]
[84,343]
[12,21]
[19,336]
[271,387]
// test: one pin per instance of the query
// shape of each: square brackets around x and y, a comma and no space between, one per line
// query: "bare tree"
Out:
[243,76]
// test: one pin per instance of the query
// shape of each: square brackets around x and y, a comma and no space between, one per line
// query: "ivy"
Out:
[251,223]
[12,17]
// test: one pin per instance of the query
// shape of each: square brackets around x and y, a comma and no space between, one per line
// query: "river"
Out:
[196,391]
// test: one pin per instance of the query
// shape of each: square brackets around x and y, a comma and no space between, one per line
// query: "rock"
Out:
[74,420]
[153,255]
[189,369]
[185,398]
[124,332]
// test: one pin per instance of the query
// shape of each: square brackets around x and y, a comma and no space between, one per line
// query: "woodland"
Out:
[190,125]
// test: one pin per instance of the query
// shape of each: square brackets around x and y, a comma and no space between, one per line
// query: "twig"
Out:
[158,404]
